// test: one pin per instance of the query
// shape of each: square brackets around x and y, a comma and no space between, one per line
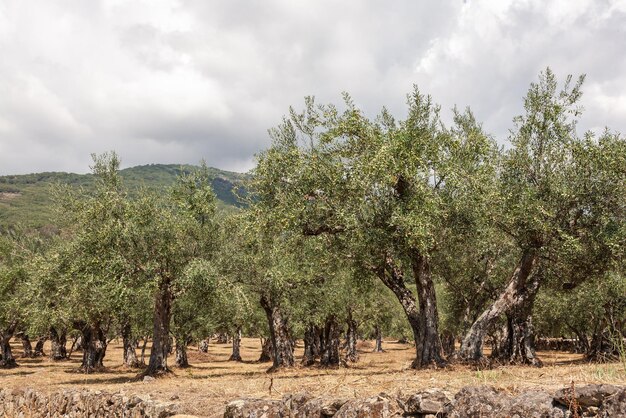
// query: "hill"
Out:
[26,199]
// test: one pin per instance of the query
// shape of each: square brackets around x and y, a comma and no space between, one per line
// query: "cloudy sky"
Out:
[174,81]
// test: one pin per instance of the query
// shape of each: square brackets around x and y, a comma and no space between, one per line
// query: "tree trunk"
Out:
[392,277]
[514,294]
[6,355]
[429,351]
[143,350]
[203,346]
[75,345]
[57,345]
[378,347]
[222,338]
[267,351]
[330,355]
[308,359]
[279,332]
[27,347]
[129,345]
[519,346]
[236,355]
[352,355]
[39,347]
[447,343]
[94,346]
[181,351]
[161,333]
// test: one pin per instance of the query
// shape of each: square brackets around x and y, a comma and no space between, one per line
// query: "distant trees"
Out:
[352,227]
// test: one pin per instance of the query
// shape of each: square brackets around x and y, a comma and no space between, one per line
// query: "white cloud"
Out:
[177,81]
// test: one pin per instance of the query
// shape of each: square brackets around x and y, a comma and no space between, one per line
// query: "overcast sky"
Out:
[175,81]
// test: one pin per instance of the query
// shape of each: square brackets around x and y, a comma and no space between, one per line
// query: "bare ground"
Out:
[212,381]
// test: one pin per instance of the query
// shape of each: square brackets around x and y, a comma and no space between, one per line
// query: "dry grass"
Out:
[204,388]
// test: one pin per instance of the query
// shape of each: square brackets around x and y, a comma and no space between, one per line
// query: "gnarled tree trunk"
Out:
[39,347]
[447,343]
[203,346]
[267,352]
[429,351]
[27,347]
[378,335]
[6,355]
[57,344]
[514,294]
[351,339]
[519,346]
[236,355]
[392,277]
[330,355]
[308,359]
[94,346]
[129,344]
[279,332]
[182,360]
[161,331]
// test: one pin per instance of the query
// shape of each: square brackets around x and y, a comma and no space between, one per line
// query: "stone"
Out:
[586,396]
[319,407]
[381,406]
[487,402]
[431,401]
[614,405]
[147,379]
[255,408]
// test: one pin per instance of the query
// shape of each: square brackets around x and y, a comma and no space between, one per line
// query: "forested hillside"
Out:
[26,199]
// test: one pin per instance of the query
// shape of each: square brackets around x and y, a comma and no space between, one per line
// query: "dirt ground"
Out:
[204,388]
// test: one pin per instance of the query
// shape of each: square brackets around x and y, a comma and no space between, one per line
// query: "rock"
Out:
[480,401]
[174,397]
[319,407]
[432,401]
[485,402]
[294,401]
[255,408]
[381,406]
[586,396]
[535,404]
[614,405]
[79,403]
[147,379]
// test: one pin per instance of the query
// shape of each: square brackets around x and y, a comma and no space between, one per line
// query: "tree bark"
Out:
[161,332]
[352,354]
[519,346]
[6,355]
[27,347]
[267,352]
[236,355]
[129,345]
[514,294]
[39,346]
[308,359]
[447,343]
[378,347]
[429,351]
[279,332]
[57,345]
[330,355]
[94,346]
[392,277]
[143,350]
[182,360]
[203,346]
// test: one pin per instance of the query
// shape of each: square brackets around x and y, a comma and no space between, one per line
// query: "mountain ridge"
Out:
[25,198]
